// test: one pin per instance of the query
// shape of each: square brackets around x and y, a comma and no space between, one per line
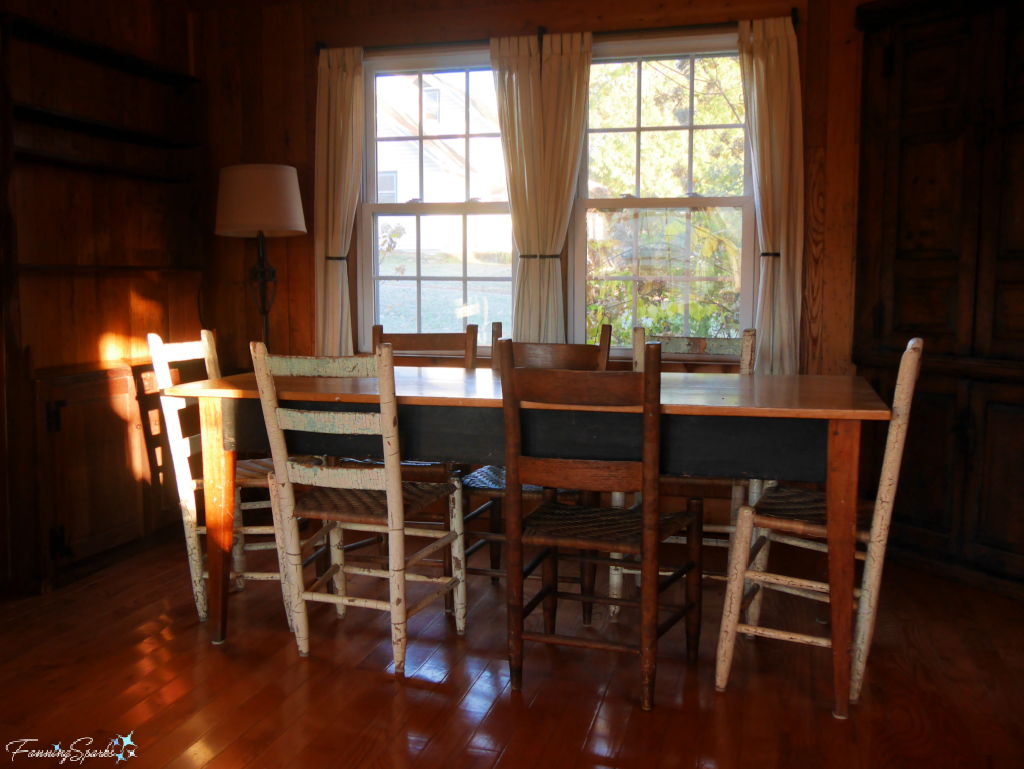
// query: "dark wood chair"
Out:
[592,530]
[462,342]
[489,481]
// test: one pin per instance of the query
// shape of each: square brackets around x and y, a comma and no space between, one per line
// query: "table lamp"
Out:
[260,201]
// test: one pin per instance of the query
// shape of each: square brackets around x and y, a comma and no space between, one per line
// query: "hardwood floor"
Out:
[123,652]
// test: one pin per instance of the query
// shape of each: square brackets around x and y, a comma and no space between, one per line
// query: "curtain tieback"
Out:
[770,253]
[345,258]
[540,256]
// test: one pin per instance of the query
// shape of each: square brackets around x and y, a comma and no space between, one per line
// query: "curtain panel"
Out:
[339,170]
[771,82]
[542,103]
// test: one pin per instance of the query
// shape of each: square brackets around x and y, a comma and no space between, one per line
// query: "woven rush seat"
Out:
[365,505]
[490,481]
[553,523]
[252,473]
[806,506]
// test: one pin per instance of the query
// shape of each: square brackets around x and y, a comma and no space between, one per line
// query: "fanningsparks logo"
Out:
[120,748]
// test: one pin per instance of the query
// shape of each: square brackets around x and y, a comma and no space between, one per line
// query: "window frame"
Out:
[437,59]
[638,48]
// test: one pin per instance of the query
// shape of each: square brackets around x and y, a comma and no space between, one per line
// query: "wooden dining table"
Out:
[787,428]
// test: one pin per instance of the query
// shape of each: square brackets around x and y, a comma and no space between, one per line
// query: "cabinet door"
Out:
[921,202]
[927,512]
[994,525]
[98,462]
[999,330]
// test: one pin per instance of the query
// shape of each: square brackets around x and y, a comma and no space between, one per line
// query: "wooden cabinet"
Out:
[941,256]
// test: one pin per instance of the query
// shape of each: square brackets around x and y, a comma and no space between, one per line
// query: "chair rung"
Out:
[319,535]
[382,574]
[707,541]
[264,576]
[783,635]
[446,587]
[585,643]
[263,531]
[665,625]
[474,548]
[675,576]
[263,504]
[486,536]
[348,600]
[256,546]
[808,544]
[323,580]
[479,511]
[433,547]
[764,577]
[534,602]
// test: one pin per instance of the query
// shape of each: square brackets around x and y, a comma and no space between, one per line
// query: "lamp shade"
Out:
[259,198]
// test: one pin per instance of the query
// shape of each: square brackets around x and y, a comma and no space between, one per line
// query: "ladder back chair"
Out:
[553,526]
[489,481]
[249,473]
[743,347]
[464,342]
[798,517]
[369,499]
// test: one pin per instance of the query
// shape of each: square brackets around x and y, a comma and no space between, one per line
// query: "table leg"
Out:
[841,490]
[219,494]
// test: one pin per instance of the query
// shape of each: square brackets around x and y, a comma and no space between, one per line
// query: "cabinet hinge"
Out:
[53,415]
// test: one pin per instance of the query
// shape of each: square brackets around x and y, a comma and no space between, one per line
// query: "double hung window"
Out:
[436,224]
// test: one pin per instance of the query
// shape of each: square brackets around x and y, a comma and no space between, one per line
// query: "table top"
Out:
[794,397]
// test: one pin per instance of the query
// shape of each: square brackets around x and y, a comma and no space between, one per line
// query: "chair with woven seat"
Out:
[249,473]
[489,481]
[798,517]
[681,485]
[591,529]
[370,499]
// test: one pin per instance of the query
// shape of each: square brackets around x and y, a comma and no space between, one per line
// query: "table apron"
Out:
[715,446]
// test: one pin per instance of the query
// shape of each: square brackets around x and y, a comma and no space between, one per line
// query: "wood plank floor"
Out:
[123,652]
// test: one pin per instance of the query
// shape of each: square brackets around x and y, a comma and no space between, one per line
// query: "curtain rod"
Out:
[541,31]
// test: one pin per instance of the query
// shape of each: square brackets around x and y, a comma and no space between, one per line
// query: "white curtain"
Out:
[771,81]
[339,169]
[542,102]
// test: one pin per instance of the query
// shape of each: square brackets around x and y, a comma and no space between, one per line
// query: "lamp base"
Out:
[260,275]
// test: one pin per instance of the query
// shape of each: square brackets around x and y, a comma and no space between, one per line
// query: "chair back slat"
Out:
[622,389]
[575,357]
[335,423]
[586,474]
[163,354]
[464,342]
[195,445]
[364,367]
[372,478]
[691,345]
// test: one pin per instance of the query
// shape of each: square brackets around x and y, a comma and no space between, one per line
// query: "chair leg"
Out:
[514,593]
[760,564]
[614,587]
[867,606]
[739,555]
[396,572]
[495,547]
[694,544]
[238,548]
[456,524]
[195,559]
[588,579]
[337,535]
[446,569]
[282,563]
[648,614]
[549,579]
[282,496]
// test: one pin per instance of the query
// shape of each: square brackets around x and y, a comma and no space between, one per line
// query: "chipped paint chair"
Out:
[797,517]
[370,499]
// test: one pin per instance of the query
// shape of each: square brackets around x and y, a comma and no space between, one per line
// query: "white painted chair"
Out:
[741,490]
[370,499]
[251,473]
[797,517]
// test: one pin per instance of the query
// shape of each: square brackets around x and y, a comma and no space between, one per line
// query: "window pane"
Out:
[718,162]
[441,245]
[444,103]
[396,245]
[717,243]
[483,104]
[396,305]
[662,307]
[610,302]
[609,242]
[717,91]
[398,105]
[443,308]
[444,170]
[665,92]
[612,164]
[400,163]
[664,164]
[613,95]
[664,240]
[490,245]
[489,301]
[487,170]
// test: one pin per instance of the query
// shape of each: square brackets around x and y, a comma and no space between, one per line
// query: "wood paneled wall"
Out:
[91,222]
